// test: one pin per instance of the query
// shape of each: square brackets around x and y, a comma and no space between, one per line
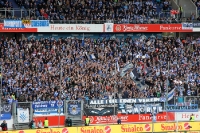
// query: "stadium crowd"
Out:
[69,68]
[129,11]
[94,11]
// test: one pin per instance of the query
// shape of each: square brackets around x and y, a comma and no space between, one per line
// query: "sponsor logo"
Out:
[107,129]
[170,27]
[109,27]
[135,28]
[129,28]
[167,127]
[149,118]
[187,26]
[118,28]
[135,128]
[52,131]
[95,130]
[21,131]
[75,27]
[147,127]
[64,130]
[102,119]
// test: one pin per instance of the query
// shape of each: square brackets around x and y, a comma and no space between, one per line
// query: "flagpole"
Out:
[1,76]
[115,85]
[168,61]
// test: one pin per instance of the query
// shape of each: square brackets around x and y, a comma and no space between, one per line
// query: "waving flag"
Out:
[126,69]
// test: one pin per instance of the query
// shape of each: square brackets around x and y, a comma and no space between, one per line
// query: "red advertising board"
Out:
[2,29]
[169,116]
[130,118]
[151,28]
[53,120]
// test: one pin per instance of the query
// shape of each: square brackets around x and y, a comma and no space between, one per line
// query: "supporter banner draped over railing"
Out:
[102,111]
[6,110]
[182,108]
[48,108]
[130,100]
[74,109]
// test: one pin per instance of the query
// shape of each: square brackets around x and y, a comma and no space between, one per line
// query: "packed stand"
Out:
[197,3]
[90,11]
[91,69]
[6,5]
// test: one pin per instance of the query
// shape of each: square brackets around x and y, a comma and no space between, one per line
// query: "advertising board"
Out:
[150,28]
[45,27]
[72,28]
[25,23]
[130,118]
[185,116]
[2,29]
[126,128]
[45,130]
[53,120]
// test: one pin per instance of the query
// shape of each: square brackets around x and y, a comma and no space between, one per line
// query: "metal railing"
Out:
[185,99]
[76,109]
[115,21]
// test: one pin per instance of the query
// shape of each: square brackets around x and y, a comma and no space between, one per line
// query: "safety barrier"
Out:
[124,128]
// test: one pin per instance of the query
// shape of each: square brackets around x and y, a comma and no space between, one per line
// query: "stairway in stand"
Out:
[17,10]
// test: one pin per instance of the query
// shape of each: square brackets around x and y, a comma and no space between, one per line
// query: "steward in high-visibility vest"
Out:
[180,11]
[46,123]
[87,121]
[192,117]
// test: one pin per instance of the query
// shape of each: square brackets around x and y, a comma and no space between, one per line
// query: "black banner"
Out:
[128,100]
[99,111]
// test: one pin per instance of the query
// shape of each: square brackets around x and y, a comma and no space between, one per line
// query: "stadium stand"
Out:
[92,69]
[197,3]
[62,11]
